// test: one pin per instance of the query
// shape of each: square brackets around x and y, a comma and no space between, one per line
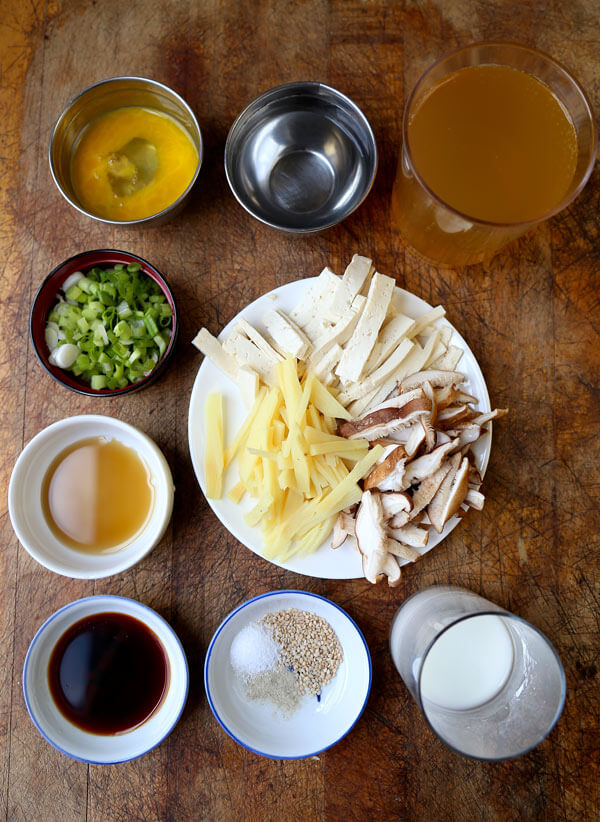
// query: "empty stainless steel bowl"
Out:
[301,157]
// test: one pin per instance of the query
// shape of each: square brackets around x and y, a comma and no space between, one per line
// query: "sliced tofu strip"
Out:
[378,377]
[258,340]
[309,313]
[286,335]
[437,351]
[247,355]
[413,362]
[337,334]
[249,384]
[446,331]
[212,348]
[356,275]
[428,318]
[448,361]
[361,343]
[392,334]
[325,368]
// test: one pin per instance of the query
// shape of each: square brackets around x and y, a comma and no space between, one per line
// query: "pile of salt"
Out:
[253,651]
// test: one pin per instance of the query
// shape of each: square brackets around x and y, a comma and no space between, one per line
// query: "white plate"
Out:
[325,563]
[316,724]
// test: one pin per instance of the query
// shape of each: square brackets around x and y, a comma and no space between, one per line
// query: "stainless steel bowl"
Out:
[301,157]
[105,96]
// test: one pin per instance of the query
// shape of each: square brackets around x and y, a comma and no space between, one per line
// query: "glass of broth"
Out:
[489,684]
[496,138]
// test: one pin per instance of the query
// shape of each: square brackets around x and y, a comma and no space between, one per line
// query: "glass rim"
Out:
[501,612]
[406,152]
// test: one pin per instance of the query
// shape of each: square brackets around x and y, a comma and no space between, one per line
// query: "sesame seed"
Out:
[308,646]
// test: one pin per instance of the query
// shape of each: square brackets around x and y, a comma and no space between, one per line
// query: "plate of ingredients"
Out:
[340,426]
[287,674]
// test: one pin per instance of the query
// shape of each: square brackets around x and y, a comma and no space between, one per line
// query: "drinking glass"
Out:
[489,684]
[441,233]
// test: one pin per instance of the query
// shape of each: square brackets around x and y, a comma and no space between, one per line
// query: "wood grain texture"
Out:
[532,318]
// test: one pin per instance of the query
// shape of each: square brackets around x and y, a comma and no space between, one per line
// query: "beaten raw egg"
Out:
[132,163]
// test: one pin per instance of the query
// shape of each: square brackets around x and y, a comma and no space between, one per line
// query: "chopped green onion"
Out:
[118,320]
[74,293]
[150,325]
[122,330]
[98,381]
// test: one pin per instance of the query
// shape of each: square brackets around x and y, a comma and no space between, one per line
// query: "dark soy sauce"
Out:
[108,673]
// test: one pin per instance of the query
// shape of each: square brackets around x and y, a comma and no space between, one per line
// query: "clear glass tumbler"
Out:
[436,230]
[489,684]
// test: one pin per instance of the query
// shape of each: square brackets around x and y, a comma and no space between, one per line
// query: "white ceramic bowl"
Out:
[317,724]
[25,497]
[71,740]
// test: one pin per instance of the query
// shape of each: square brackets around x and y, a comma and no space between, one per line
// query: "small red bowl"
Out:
[47,295]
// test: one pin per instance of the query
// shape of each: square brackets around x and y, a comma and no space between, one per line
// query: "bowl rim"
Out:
[311,87]
[29,452]
[98,598]
[150,271]
[124,78]
[230,616]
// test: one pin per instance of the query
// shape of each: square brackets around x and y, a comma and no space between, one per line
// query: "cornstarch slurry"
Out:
[284,656]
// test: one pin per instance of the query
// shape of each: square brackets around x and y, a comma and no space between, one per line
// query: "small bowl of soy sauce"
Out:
[105,679]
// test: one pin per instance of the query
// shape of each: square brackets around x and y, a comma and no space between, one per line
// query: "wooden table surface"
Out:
[532,318]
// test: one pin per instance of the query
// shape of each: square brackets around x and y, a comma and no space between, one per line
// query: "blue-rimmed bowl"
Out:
[317,724]
[100,749]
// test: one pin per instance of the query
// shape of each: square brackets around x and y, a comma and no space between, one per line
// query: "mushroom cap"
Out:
[453,395]
[428,489]
[468,435]
[481,419]
[403,551]
[393,464]
[438,379]
[399,519]
[475,499]
[393,502]
[370,535]
[418,434]
[450,494]
[428,420]
[447,417]
[391,415]
[391,569]
[410,535]
[427,465]
[342,529]
[399,399]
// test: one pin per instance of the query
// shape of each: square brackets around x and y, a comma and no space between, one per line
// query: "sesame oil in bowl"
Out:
[97,495]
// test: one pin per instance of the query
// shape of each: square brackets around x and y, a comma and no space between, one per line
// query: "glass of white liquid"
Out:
[489,684]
